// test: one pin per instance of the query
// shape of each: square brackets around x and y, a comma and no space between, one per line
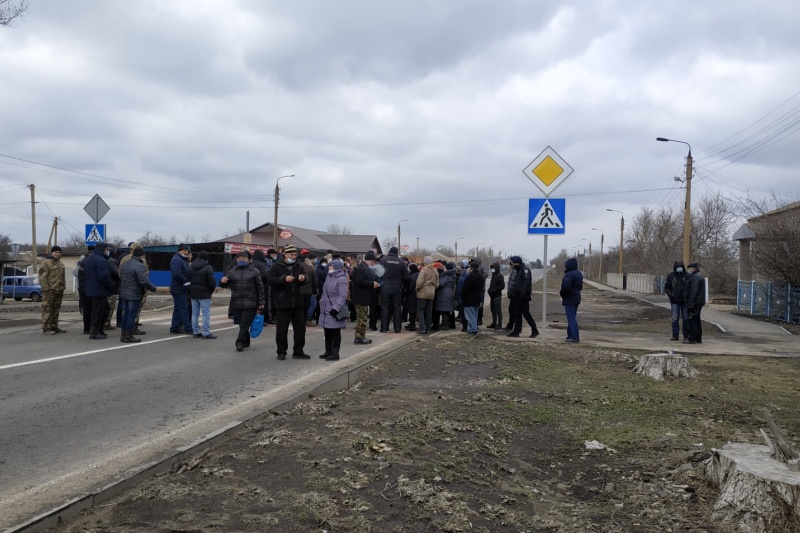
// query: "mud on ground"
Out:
[454,433]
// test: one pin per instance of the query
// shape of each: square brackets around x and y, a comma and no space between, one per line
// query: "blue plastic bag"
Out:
[257,326]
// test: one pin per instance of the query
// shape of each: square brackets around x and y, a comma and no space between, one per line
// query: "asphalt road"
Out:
[75,412]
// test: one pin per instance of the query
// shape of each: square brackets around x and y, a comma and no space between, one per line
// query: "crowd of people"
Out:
[294,287]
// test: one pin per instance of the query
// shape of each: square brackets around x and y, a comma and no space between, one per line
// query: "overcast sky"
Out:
[182,114]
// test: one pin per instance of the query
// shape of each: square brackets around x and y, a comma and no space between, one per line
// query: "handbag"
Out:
[257,326]
[343,313]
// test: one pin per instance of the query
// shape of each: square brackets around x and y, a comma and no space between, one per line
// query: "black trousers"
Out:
[100,311]
[520,308]
[391,300]
[244,317]
[297,317]
[333,340]
[695,325]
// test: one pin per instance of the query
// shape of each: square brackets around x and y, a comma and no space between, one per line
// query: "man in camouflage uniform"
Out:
[363,286]
[53,283]
[113,269]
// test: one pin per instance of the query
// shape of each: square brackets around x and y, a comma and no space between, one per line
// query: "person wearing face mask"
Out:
[674,289]
[333,300]
[99,287]
[520,295]
[496,286]
[179,289]
[286,277]
[247,296]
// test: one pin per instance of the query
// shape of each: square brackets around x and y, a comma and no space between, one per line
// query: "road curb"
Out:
[343,379]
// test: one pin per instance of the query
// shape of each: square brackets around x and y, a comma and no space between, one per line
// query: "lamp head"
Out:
[662,139]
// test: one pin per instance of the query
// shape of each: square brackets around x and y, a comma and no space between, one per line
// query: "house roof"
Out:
[309,238]
[744,233]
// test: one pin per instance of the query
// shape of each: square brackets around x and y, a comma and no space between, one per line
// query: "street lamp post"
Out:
[477,247]
[589,267]
[277,201]
[621,236]
[687,210]
[456,247]
[400,248]
[600,269]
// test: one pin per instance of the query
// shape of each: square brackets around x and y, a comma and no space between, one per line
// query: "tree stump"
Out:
[659,365]
[757,493]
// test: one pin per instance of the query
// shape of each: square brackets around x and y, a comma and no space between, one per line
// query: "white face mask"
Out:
[493,271]
[679,270]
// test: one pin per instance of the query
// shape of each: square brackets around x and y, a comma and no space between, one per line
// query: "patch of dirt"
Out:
[456,433]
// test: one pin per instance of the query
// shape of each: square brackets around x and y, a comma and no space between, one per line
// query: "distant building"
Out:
[772,227]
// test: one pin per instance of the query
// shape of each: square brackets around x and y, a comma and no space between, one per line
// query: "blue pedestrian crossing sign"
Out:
[95,233]
[546,216]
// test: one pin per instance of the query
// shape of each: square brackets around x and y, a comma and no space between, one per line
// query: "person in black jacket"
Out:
[99,287]
[520,295]
[496,286]
[471,295]
[363,287]
[410,300]
[674,288]
[392,289]
[570,292]
[133,284]
[203,284]
[695,297]
[285,277]
[247,296]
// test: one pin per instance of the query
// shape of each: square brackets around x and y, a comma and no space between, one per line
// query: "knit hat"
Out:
[428,260]
[139,252]
[55,249]
[183,247]
[203,255]
[474,265]
[289,249]
[413,268]
[337,264]
[370,256]
[515,259]
[393,250]
[449,265]
[272,251]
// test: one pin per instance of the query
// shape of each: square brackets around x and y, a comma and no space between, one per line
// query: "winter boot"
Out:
[129,338]
[334,355]
[122,335]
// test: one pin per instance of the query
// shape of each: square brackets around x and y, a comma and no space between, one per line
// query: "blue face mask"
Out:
[241,263]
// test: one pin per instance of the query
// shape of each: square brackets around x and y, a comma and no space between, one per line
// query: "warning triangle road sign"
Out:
[546,218]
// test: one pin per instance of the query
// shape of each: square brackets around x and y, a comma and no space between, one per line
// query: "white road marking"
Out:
[101,350]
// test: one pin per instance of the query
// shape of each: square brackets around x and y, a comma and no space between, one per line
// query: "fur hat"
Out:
[693,265]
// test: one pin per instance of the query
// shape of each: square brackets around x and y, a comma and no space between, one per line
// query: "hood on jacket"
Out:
[198,263]
[571,264]
[495,266]
[259,255]
[678,264]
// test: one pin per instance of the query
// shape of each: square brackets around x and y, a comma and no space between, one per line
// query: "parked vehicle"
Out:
[19,287]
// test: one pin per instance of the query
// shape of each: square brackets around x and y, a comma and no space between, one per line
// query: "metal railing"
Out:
[779,301]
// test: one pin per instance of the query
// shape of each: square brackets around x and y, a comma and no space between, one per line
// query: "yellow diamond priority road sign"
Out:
[548,171]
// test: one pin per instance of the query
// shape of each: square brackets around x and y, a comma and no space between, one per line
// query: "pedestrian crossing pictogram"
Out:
[546,216]
[95,233]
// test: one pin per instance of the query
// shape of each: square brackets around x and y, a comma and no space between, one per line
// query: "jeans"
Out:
[180,313]
[472,319]
[127,317]
[572,322]
[425,314]
[312,307]
[680,313]
[205,307]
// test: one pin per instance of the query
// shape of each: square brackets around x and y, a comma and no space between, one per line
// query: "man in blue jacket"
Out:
[99,286]
[179,289]
[571,286]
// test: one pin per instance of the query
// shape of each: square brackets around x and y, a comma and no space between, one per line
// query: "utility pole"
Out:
[277,201]
[600,268]
[418,247]
[32,187]
[687,211]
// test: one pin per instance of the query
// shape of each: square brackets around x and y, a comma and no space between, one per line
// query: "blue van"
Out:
[19,287]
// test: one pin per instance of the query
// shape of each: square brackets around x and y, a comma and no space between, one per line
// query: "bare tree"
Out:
[10,10]
[389,242]
[5,246]
[154,239]
[338,229]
